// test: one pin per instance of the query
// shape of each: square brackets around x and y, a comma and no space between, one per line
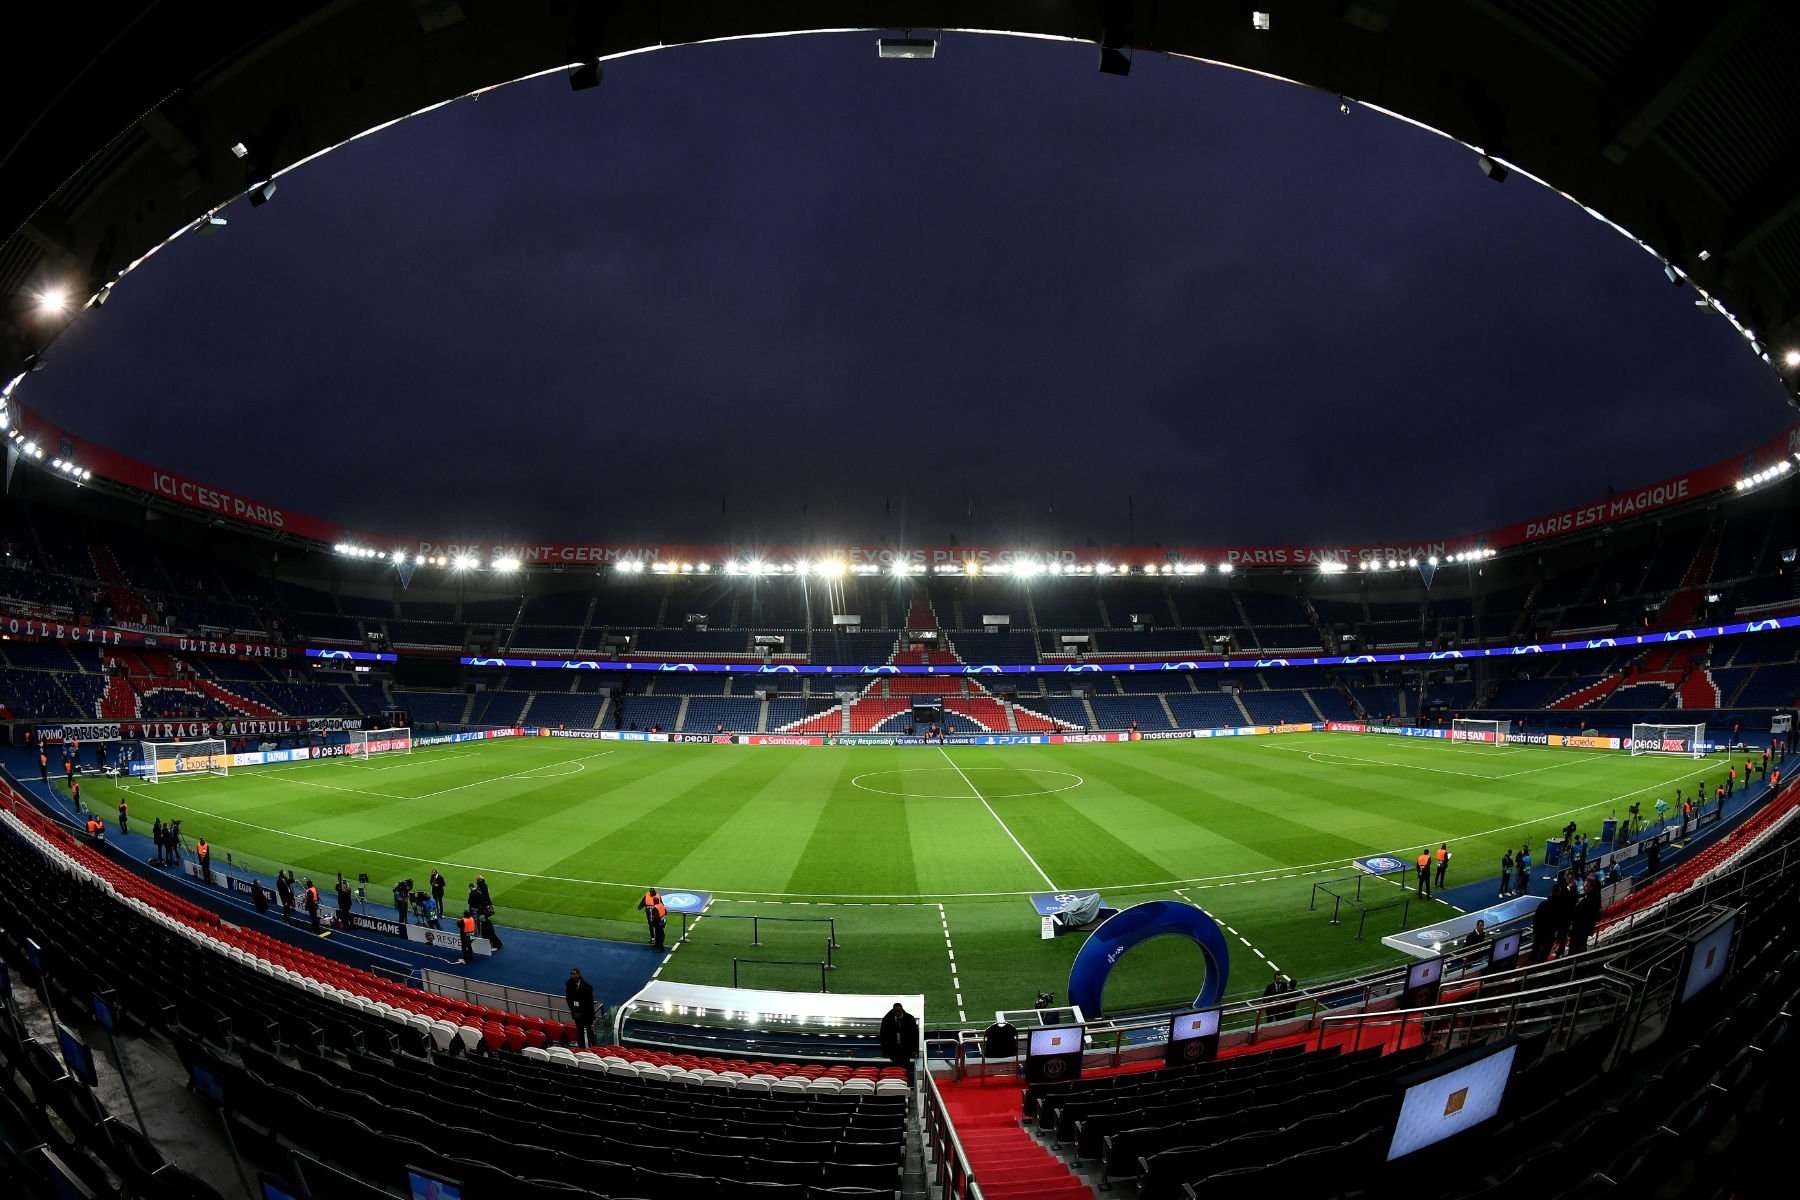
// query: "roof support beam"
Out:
[1670,68]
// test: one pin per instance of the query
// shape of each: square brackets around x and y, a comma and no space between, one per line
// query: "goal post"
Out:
[1689,741]
[364,742]
[1463,729]
[181,760]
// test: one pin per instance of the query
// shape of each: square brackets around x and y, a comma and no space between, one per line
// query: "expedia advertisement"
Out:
[1584,741]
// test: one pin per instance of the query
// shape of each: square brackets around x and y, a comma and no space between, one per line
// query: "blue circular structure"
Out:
[1139,923]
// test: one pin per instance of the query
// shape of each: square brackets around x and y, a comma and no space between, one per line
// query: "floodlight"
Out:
[899,568]
[239,150]
[1432,560]
[1792,358]
[731,568]
[1704,255]
[1672,273]
[418,560]
[463,562]
[262,193]
[1333,567]
[1103,568]
[906,47]
[1344,105]
[1261,21]
[210,224]
[1225,568]
[53,300]
[508,563]
[1392,564]
[1412,562]
[1493,169]
[757,566]
[972,567]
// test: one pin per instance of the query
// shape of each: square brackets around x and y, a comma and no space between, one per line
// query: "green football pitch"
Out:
[924,857]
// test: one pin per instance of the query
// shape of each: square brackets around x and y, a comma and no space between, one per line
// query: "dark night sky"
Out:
[788,274]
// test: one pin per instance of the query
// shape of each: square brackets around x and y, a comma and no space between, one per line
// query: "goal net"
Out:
[178,760]
[364,742]
[1464,730]
[1686,740]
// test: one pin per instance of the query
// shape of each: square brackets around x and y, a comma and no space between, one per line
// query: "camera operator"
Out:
[402,897]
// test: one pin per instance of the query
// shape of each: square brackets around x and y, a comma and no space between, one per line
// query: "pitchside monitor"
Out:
[1194,1036]
[426,1186]
[1057,1040]
[1054,1053]
[75,1052]
[1457,1093]
[1708,954]
[1506,950]
[1422,980]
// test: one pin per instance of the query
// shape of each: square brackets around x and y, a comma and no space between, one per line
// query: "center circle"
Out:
[963,783]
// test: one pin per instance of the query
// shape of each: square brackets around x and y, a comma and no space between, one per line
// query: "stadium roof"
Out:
[1676,121]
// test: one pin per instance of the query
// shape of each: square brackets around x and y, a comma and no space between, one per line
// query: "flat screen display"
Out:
[1424,974]
[1452,1098]
[76,1053]
[66,1183]
[1709,952]
[1187,1026]
[426,1186]
[279,1189]
[105,1013]
[1062,1039]
[1506,949]
[206,1083]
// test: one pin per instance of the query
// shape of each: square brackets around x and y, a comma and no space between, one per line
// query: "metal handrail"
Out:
[955,1174]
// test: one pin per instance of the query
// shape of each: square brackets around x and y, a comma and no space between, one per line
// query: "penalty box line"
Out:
[1009,833]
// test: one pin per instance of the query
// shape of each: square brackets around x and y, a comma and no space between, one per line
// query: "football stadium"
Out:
[352,859]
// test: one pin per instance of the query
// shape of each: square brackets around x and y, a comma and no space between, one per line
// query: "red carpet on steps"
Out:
[1008,1162]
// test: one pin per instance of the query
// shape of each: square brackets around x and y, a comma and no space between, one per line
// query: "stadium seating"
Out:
[331,1055]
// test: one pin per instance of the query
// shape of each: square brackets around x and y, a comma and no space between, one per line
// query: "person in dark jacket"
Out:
[343,900]
[1587,916]
[483,904]
[900,1037]
[156,839]
[284,891]
[259,898]
[579,994]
